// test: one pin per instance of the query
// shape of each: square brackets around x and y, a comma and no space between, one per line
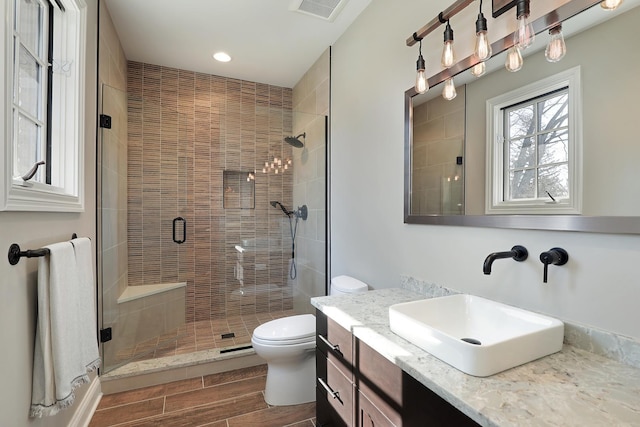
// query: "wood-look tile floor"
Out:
[227,399]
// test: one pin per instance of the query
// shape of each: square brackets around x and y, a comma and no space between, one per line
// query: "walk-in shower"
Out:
[193,255]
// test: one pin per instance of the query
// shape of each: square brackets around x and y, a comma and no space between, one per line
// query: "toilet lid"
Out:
[287,329]
[348,284]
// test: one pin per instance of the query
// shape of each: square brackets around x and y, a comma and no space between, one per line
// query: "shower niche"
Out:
[239,190]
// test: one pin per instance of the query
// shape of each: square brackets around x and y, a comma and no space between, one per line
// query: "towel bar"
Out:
[15,253]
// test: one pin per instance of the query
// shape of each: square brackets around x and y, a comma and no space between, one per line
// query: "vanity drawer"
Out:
[335,342]
[334,394]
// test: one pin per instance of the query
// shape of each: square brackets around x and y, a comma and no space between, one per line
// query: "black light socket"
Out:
[481,23]
[522,8]
[448,33]
[420,64]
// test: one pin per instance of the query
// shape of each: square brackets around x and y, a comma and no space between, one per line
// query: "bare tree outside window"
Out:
[537,154]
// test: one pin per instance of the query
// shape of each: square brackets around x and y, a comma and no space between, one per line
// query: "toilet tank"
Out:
[345,285]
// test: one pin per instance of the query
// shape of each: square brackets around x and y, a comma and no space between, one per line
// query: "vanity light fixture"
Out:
[478,69]
[610,4]
[448,56]
[514,59]
[422,85]
[556,48]
[524,35]
[449,90]
[483,47]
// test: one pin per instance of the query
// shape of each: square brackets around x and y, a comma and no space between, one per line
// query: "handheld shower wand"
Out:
[302,212]
[276,204]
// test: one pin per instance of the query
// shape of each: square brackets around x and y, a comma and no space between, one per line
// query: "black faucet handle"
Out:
[554,256]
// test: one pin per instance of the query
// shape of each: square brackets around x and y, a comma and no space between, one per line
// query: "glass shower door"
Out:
[142,230]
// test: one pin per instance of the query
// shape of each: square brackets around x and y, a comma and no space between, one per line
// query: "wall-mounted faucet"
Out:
[518,253]
[555,256]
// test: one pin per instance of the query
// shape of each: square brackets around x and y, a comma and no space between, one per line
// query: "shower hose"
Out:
[294,229]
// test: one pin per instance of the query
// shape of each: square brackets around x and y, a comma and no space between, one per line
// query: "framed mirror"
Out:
[446,178]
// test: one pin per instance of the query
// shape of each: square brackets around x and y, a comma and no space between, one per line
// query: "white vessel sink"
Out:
[475,335]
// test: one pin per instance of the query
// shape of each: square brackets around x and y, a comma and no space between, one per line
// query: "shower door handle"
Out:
[184,230]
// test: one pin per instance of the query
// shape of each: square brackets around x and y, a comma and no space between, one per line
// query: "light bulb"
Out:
[449,90]
[610,4]
[421,82]
[448,57]
[556,49]
[483,47]
[524,35]
[514,59]
[422,85]
[478,69]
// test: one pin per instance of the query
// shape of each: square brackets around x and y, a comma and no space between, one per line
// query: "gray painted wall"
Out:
[371,69]
[31,230]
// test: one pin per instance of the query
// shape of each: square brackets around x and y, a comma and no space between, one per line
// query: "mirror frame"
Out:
[592,224]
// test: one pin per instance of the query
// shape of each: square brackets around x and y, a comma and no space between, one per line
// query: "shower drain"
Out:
[228,335]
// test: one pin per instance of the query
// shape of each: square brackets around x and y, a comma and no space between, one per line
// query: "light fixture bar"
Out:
[445,15]
[545,22]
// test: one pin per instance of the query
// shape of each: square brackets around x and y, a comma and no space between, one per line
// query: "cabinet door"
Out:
[369,415]
[403,400]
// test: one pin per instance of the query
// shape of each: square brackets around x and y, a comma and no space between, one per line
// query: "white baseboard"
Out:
[87,407]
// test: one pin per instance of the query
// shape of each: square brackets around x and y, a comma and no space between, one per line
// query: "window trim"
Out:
[66,193]
[494,185]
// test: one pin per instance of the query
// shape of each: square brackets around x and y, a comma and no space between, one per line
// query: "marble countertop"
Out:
[570,388]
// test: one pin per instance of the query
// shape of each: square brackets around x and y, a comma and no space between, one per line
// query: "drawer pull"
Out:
[334,347]
[333,394]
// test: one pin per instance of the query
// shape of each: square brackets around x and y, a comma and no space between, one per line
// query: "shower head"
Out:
[294,141]
[281,206]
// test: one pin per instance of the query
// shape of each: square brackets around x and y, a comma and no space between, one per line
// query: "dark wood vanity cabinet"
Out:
[357,386]
[335,390]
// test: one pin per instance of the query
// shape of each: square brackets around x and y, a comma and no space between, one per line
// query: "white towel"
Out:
[66,347]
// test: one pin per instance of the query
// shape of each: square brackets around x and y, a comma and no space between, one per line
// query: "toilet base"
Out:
[291,384]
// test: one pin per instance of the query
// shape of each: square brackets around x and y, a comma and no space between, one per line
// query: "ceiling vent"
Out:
[326,10]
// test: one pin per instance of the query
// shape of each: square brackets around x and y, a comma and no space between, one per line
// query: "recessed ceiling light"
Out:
[222,57]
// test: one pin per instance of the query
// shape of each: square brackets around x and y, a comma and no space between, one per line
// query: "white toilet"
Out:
[288,345]
[344,285]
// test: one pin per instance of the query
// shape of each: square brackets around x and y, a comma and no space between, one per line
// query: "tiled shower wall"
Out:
[185,129]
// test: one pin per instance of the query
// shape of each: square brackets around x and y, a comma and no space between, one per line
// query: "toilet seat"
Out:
[283,343]
[287,330]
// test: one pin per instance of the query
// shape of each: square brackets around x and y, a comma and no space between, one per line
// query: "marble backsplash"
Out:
[617,347]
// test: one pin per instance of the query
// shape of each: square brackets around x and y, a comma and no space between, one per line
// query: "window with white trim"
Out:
[44,105]
[535,148]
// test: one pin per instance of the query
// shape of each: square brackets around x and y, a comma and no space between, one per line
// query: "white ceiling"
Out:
[268,42]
